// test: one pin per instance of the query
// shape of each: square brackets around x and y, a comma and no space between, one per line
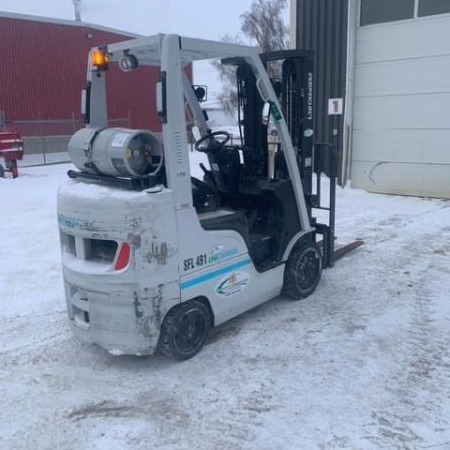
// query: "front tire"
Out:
[184,330]
[303,271]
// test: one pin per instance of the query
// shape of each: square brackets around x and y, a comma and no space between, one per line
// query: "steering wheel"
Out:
[213,144]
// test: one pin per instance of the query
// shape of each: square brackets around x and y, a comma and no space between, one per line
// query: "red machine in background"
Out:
[11,150]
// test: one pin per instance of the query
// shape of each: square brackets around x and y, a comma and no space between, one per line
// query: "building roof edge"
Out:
[72,23]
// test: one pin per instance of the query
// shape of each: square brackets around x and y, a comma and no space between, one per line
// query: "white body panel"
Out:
[401,128]
[227,256]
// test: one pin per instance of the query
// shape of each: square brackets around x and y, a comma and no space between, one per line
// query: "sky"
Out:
[197,18]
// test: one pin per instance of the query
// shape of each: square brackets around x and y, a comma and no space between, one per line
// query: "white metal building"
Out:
[401,97]
[396,124]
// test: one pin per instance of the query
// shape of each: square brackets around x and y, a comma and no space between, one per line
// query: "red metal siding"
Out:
[43,69]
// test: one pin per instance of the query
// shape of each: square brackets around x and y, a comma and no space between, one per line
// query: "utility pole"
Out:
[76,4]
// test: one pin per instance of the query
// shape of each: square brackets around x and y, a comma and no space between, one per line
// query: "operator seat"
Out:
[226,168]
[204,197]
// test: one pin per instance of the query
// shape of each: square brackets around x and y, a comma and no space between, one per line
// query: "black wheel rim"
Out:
[308,269]
[190,332]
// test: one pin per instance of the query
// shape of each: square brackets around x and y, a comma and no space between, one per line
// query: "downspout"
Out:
[352,21]
[293,25]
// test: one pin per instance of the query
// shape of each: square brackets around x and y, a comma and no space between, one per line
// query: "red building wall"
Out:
[43,69]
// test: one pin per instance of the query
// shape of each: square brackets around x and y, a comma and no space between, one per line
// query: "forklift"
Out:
[153,257]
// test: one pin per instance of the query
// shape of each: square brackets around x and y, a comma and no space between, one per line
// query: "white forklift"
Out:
[152,257]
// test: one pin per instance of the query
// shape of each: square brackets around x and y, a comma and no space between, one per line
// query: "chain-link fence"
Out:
[45,141]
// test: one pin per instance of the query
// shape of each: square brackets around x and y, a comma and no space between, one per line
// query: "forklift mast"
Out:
[254,130]
[293,83]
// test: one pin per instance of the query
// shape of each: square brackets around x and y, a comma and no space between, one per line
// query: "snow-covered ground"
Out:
[363,363]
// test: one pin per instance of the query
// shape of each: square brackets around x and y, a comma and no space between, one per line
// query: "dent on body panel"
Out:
[161,246]
[159,253]
[134,240]
[148,310]
[134,235]
[159,250]
[151,305]
[153,237]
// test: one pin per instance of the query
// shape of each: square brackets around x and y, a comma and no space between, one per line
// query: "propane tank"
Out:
[116,151]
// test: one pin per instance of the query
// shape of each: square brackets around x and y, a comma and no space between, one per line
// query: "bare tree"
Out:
[227,74]
[263,25]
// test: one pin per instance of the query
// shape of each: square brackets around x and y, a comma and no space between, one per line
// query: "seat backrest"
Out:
[226,168]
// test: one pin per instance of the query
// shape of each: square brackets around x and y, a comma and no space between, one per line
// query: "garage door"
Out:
[401,116]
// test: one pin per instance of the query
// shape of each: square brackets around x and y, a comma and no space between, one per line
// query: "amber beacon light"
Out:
[99,59]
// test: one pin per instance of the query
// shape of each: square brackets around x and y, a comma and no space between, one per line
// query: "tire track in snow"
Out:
[425,350]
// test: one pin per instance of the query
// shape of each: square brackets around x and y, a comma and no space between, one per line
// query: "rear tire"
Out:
[303,271]
[184,330]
